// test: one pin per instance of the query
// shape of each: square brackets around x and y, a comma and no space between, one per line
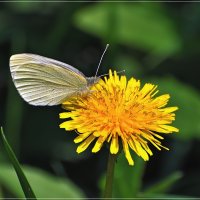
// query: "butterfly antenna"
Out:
[119,72]
[107,45]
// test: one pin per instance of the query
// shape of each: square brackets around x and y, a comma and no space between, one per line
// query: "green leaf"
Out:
[28,192]
[127,179]
[132,175]
[44,184]
[188,101]
[164,185]
[129,64]
[145,26]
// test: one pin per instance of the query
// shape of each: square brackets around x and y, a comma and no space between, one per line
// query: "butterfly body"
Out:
[43,81]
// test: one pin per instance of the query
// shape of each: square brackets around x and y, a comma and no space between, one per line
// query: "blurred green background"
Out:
[156,42]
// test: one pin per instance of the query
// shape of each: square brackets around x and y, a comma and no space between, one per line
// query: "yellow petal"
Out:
[84,145]
[141,151]
[170,109]
[65,115]
[81,137]
[114,147]
[127,153]
[169,128]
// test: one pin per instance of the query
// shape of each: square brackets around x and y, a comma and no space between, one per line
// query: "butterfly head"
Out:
[92,80]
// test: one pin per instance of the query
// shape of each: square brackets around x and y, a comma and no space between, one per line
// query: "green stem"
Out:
[109,176]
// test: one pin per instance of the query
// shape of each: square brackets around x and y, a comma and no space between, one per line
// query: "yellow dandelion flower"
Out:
[117,111]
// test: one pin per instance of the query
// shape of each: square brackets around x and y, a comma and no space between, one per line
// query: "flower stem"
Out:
[109,175]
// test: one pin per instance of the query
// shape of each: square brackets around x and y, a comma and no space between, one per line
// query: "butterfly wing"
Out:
[43,81]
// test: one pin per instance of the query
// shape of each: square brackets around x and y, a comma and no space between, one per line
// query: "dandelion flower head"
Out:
[121,113]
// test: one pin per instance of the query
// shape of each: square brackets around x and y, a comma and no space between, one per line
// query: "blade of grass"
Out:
[164,185]
[28,192]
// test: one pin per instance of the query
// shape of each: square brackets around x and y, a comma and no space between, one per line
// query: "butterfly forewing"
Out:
[44,81]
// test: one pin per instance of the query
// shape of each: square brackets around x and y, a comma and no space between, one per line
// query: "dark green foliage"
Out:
[154,42]
[28,192]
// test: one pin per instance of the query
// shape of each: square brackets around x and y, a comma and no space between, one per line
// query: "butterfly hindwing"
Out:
[44,81]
